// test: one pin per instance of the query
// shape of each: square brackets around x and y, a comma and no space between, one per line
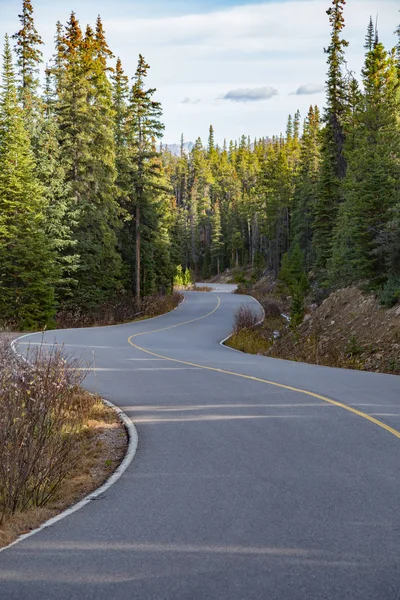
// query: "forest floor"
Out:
[349,329]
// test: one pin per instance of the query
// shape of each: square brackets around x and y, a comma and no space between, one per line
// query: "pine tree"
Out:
[143,129]
[26,264]
[333,168]
[60,214]
[29,58]
[85,118]
[373,179]
[120,94]
[216,237]
[306,186]
[370,37]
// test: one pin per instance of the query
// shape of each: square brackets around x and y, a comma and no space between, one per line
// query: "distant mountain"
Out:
[175,149]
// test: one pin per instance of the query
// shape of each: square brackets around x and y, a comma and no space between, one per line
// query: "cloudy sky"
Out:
[242,66]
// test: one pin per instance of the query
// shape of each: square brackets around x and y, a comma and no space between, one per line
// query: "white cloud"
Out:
[205,55]
[308,89]
[250,94]
[190,101]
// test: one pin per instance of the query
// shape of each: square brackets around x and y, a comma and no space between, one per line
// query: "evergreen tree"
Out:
[29,58]
[370,37]
[216,239]
[60,215]
[306,186]
[333,168]
[373,179]
[26,265]
[86,126]
[143,129]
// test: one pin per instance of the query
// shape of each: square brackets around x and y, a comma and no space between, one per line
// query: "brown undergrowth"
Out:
[57,441]
[349,329]
[201,288]
[251,337]
[118,310]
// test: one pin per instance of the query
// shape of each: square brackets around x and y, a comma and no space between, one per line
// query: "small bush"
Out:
[353,348]
[245,318]
[389,295]
[42,414]
[271,308]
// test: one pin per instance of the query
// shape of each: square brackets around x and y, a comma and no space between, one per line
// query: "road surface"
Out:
[240,489]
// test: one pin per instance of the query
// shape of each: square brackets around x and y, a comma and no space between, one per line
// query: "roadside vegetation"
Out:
[119,310]
[349,328]
[57,441]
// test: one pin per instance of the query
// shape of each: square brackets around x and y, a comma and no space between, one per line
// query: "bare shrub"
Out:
[271,308]
[42,415]
[245,318]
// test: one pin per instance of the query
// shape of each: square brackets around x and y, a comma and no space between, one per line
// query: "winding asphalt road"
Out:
[240,489]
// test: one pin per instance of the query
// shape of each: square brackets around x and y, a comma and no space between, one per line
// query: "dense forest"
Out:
[92,207]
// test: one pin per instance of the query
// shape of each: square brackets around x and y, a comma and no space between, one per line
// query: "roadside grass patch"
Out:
[252,337]
[250,341]
[57,441]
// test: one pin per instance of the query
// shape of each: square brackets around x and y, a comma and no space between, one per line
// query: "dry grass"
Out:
[103,446]
[119,310]
[54,437]
[201,288]
[250,341]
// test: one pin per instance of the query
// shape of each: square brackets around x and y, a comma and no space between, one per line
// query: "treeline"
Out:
[85,208]
[320,204]
[91,211]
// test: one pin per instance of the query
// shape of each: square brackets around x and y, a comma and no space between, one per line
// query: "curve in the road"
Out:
[239,490]
[351,409]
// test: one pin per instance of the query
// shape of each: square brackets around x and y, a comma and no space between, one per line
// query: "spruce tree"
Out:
[86,126]
[60,215]
[26,263]
[306,186]
[143,128]
[29,58]
[216,238]
[370,36]
[373,178]
[333,168]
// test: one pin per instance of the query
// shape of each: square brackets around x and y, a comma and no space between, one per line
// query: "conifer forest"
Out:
[94,206]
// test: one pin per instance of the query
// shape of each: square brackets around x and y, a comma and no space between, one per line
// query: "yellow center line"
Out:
[178,324]
[258,379]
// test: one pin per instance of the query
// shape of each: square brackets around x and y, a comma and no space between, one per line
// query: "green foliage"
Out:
[179,277]
[389,294]
[101,211]
[27,269]
[187,278]
[293,279]
[353,348]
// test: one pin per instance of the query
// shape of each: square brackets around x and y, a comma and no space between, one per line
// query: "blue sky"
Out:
[240,66]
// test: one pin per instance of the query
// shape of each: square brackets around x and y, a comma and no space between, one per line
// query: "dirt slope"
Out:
[348,329]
